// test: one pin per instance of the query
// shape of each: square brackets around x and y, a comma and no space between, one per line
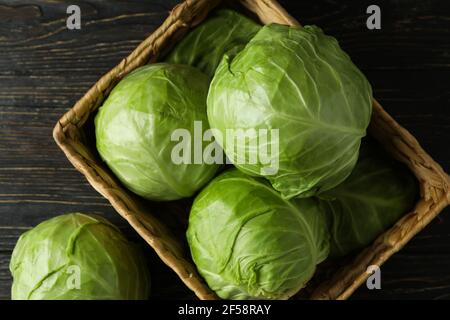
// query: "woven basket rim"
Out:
[434,182]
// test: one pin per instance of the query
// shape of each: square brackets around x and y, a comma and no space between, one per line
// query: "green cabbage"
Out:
[134,130]
[77,257]
[377,193]
[249,243]
[299,81]
[205,46]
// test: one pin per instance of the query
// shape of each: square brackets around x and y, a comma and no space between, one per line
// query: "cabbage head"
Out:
[377,193]
[77,257]
[297,81]
[134,129]
[249,243]
[205,46]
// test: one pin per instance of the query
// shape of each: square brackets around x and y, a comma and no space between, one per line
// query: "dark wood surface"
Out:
[45,68]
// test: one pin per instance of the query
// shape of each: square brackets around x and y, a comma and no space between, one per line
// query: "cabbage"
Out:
[299,82]
[77,257]
[377,193]
[205,46]
[249,243]
[134,130]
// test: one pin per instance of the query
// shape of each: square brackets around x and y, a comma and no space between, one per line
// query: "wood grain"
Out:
[45,68]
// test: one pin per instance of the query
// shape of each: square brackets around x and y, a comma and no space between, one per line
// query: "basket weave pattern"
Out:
[69,134]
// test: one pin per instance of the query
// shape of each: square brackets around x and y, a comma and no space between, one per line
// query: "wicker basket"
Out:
[74,134]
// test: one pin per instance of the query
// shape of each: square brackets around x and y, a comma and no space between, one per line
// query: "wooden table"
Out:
[45,68]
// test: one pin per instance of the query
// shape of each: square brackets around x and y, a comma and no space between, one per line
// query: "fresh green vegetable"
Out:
[77,257]
[205,46]
[377,193]
[249,243]
[134,129]
[299,81]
